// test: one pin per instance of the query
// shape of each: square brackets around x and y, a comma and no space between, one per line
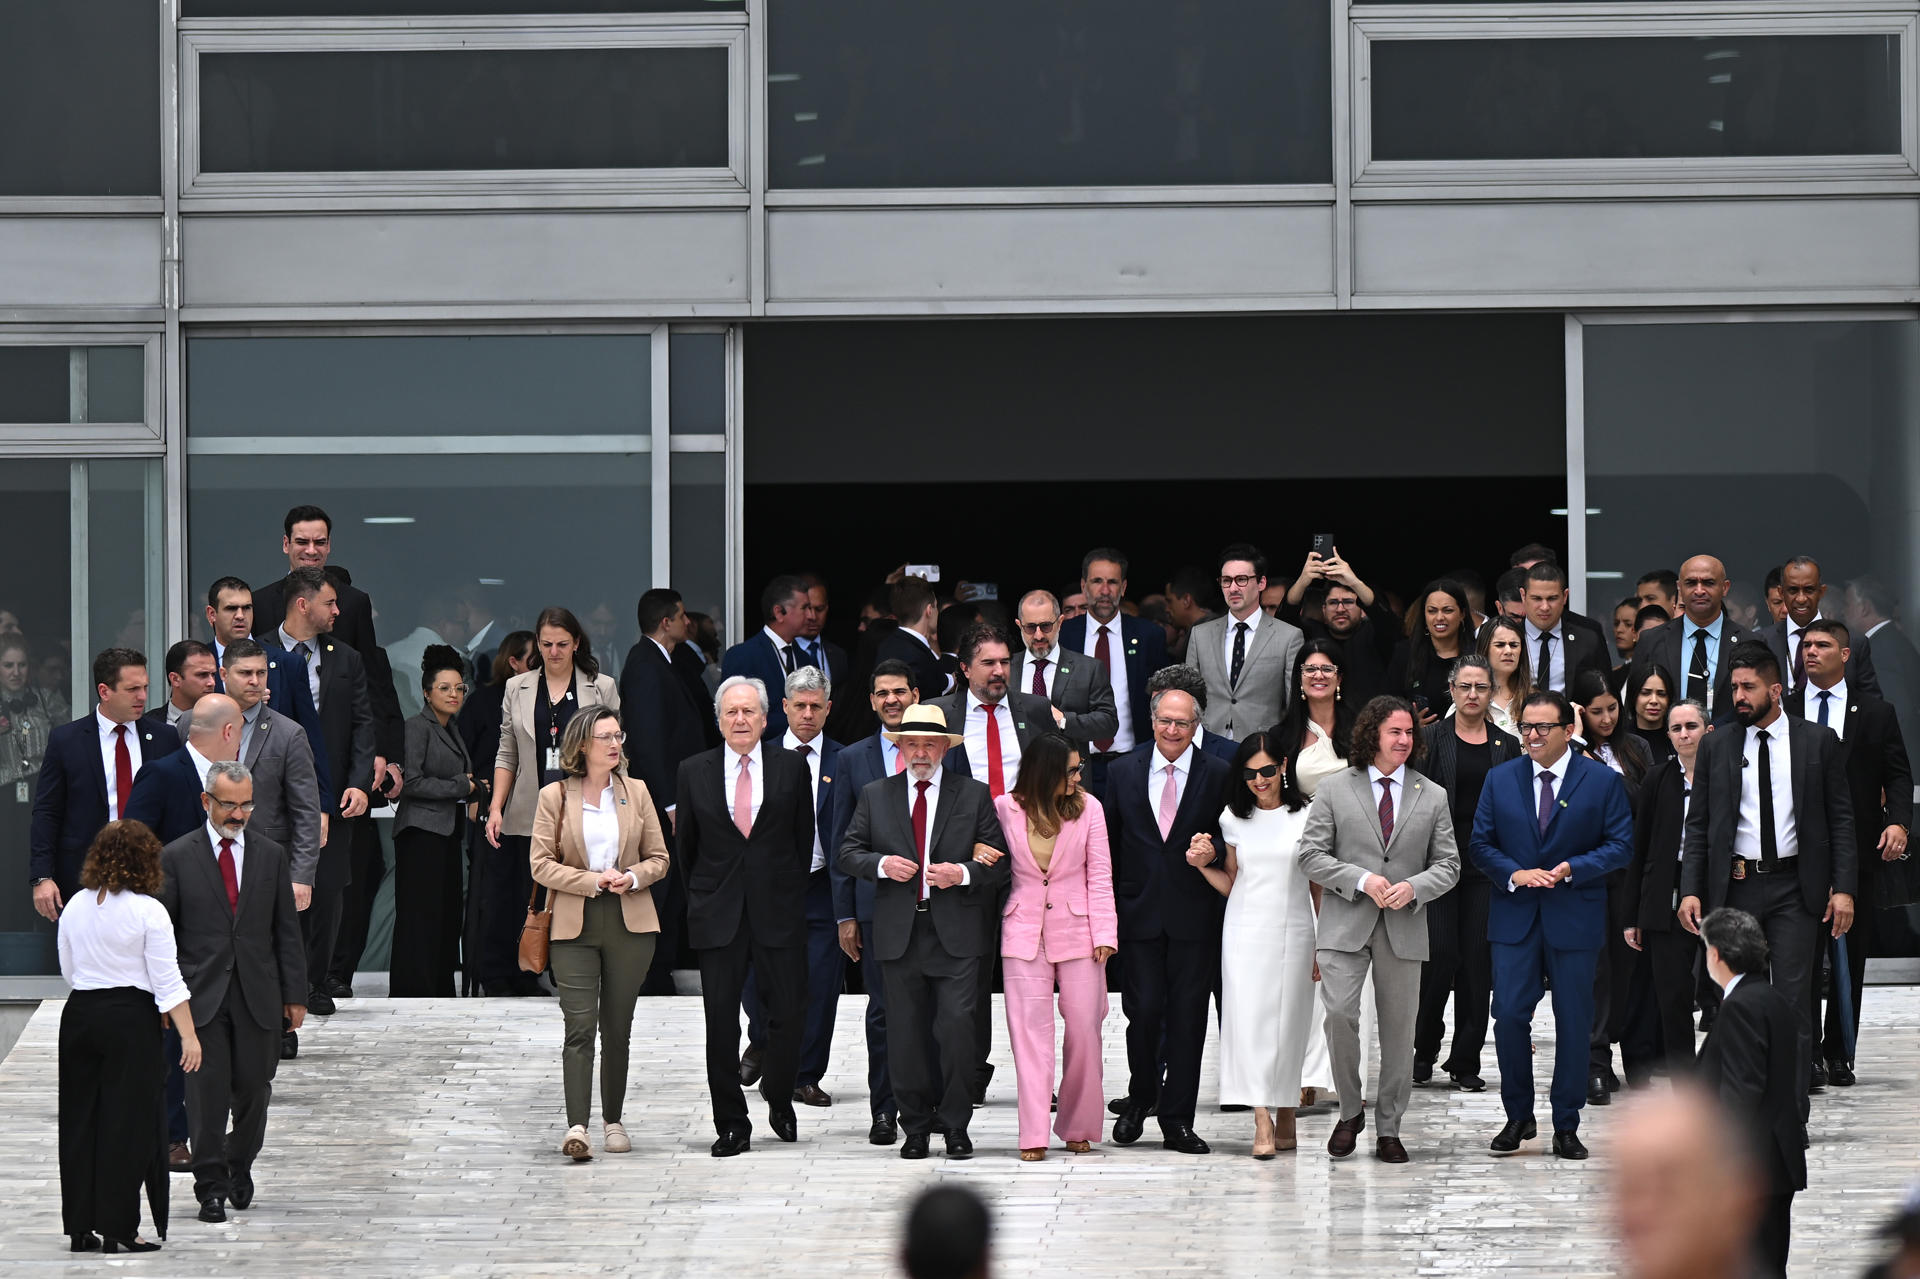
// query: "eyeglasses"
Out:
[1342,601]
[462,689]
[610,737]
[239,810]
[1039,628]
[1540,730]
[1319,670]
[1075,770]
[1473,688]
[1160,722]
[1265,770]
[1243,580]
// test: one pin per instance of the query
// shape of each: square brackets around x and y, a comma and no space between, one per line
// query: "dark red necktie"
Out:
[1106,660]
[122,769]
[996,778]
[1386,810]
[920,833]
[1040,677]
[230,874]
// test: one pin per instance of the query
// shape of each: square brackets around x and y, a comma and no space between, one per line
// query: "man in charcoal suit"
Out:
[1078,687]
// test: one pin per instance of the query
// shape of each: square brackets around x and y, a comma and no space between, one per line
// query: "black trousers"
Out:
[506,882]
[826,976]
[1164,994]
[670,907]
[873,976]
[111,1076]
[369,863]
[1774,1236]
[780,974]
[1460,962]
[1862,938]
[237,1063]
[1793,944]
[931,1055]
[1671,956]
[426,913]
[320,922]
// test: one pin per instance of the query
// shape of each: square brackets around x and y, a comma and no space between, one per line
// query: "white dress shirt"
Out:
[1558,769]
[200,763]
[106,727]
[780,648]
[975,731]
[1047,672]
[1556,650]
[730,777]
[1116,676]
[1746,836]
[946,683]
[1252,622]
[239,851]
[1731,983]
[313,662]
[1399,779]
[1836,706]
[126,940]
[1686,806]
[1876,627]
[1157,778]
[812,757]
[600,832]
[933,807]
[1794,631]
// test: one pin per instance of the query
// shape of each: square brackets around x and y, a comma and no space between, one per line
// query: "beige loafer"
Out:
[614,1139]
[574,1145]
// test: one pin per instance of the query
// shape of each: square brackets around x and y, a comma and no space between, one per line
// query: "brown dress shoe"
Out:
[1388,1150]
[179,1158]
[811,1095]
[1345,1134]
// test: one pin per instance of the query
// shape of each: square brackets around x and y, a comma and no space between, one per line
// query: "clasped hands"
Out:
[1389,896]
[1200,851]
[939,874]
[614,881]
[1542,878]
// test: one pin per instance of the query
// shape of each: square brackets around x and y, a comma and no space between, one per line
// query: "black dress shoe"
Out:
[1227,1109]
[1706,1019]
[1613,1080]
[1468,1083]
[1817,1078]
[1597,1094]
[811,1095]
[289,1045]
[1118,1106]
[1183,1139]
[885,1131]
[213,1209]
[320,1003]
[129,1245]
[240,1191]
[1127,1128]
[914,1147]
[1422,1071]
[959,1145]
[750,1067]
[732,1143]
[88,1242]
[1567,1145]
[1516,1131]
[1840,1074]
[783,1125]
[338,988]
[977,1094]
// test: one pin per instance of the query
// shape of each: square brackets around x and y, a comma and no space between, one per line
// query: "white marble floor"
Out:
[419,1137]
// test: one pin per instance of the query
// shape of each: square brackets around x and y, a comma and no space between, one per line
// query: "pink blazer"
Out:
[1069,906]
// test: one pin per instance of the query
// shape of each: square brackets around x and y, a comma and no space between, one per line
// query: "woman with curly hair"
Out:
[1438,629]
[117,952]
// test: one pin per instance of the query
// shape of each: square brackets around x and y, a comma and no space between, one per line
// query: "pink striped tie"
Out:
[743,797]
[1169,803]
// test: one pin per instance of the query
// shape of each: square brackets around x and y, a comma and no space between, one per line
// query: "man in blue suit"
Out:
[167,796]
[1130,648]
[775,651]
[1549,830]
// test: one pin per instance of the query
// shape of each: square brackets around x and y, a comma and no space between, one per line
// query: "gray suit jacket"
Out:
[1342,841]
[1266,676]
[286,790]
[1081,690]
[436,768]
[260,947]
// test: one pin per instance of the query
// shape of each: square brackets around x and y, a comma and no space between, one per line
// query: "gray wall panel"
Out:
[75,262]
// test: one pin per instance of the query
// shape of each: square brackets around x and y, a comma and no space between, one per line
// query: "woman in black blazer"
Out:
[1652,889]
[428,827]
[479,725]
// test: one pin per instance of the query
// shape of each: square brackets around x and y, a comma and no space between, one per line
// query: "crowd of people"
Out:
[1321,812]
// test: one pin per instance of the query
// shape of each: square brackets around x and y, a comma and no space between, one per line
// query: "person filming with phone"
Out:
[1351,613]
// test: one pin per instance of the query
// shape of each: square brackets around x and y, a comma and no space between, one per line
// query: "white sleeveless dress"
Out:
[1267,1000]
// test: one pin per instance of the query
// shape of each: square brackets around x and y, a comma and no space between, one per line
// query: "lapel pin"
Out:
[1563,803]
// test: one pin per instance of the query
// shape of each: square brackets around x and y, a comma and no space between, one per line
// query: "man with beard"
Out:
[1352,613]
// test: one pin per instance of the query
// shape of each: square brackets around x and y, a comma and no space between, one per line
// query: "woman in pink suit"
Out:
[1059,928]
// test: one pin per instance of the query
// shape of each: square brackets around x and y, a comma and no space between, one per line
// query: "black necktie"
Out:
[1825,697]
[1543,678]
[1697,669]
[788,656]
[1799,661]
[1769,840]
[1239,654]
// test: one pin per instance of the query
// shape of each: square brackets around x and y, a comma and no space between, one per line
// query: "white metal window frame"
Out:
[465,189]
[1698,175]
[78,437]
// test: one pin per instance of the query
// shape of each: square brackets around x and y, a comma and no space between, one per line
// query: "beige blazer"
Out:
[520,755]
[560,854]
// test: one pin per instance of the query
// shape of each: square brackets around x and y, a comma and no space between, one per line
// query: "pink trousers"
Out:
[1083,1007]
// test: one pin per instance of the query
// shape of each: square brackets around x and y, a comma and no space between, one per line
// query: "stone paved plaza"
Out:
[419,1137]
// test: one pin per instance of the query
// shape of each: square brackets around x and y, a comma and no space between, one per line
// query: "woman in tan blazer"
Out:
[597,847]
[534,713]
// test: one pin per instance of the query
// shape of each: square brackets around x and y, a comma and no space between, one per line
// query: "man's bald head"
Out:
[216,727]
[1687,1191]
[1703,588]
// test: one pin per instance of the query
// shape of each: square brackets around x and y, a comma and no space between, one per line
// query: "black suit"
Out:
[1583,647]
[1169,924]
[1365,650]
[929,674]
[667,723]
[1897,666]
[1860,671]
[1661,646]
[354,628]
[747,911]
[1651,896]
[1752,1061]
[242,968]
[930,952]
[1880,786]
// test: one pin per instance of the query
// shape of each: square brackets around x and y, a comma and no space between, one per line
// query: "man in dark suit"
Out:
[668,720]
[819,650]
[1188,679]
[166,797]
[1077,686]
[1130,649]
[891,692]
[1352,613]
[287,789]
[1551,828]
[774,651]
[1695,646]
[1752,1061]
[1158,800]
[912,641]
[1880,788]
[229,619]
[1803,592]
[87,776]
[1772,836]
[230,894]
[1560,644]
[744,824]
[915,836]
[1869,611]
[192,673]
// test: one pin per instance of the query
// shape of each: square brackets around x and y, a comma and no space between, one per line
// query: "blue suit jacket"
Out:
[755,656]
[290,696]
[1220,746]
[166,796]
[830,752]
[1591,831]
[70,798]
[1146,652]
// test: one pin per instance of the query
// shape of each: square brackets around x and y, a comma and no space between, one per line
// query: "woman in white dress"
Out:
[1267,1004]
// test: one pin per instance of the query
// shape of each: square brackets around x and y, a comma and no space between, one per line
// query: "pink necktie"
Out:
[1169,803]
[743,797]
[899,760]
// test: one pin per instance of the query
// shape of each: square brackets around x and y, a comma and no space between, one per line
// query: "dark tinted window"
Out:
[866,93]
[435,8]
[79,97]
[1636,97]
[41,384]
[463,109]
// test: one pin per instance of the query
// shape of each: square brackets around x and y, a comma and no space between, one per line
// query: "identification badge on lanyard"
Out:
[553,759]
[22,794]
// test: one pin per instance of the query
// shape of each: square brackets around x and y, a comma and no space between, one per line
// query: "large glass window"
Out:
[80,98]
[49,384]
[1049,93]
[438,8]
[1638,97]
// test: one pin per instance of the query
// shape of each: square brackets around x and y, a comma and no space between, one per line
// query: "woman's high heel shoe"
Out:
[88,1242]
[136,1244]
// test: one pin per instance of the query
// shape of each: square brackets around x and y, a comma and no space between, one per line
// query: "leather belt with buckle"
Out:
[921,905]
[1742,867]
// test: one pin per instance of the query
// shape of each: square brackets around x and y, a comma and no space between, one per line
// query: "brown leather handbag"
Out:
[536,933]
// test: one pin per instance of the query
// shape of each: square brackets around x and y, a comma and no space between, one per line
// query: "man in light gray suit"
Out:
[1379,838]
[1246,657]
[286,791]
[1079,689]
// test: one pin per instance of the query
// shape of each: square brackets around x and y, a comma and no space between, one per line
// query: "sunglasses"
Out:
[1265,770]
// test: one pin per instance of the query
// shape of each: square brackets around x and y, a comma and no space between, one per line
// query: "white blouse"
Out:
[600,827]
[126,940]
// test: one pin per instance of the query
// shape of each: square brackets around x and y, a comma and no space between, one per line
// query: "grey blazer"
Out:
[436,766]
[286,790]
[260,946]
[519,756]
[1266,676]
[1342,841]
[1082,692]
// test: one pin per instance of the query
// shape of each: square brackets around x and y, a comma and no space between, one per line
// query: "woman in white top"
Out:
[1266,944]
[1504,644]
[117,952]
[597,847]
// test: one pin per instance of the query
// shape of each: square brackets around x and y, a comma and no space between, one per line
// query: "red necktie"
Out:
[1040,677]
[1386,810]
[1100,651]
[920,833]
[230,874]
[996,780]
[122,770]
